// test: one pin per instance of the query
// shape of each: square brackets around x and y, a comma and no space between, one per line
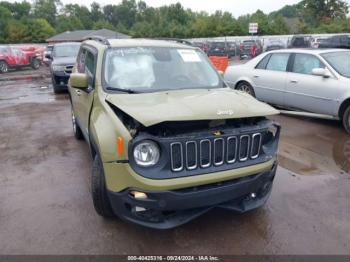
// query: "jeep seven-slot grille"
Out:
[204,153]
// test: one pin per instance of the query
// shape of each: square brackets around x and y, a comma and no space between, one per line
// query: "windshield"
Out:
[147,69]
[340,61]
[66,50]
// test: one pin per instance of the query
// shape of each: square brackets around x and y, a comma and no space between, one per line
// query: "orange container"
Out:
[220,62]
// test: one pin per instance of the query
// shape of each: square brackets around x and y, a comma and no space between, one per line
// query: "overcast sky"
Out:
[235,7]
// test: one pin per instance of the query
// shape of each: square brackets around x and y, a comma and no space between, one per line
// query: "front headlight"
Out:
[146,153]
[58,68]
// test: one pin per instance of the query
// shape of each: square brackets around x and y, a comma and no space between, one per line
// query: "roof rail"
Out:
[98,38]
[177,40]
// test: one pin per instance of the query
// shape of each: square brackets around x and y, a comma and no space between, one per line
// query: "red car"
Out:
[17,57]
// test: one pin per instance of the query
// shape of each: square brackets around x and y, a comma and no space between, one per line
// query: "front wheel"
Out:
[346,120]
[246,87]
[35,64]
[99,191]
[4,68]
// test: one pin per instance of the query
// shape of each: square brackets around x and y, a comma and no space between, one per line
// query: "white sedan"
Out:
[311,80]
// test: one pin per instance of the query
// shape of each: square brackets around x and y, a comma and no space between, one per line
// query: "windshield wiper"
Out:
[129,91]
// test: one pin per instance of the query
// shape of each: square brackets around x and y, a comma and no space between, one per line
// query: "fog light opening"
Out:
[138,195]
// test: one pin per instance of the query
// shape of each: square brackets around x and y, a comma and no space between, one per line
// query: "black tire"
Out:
[35,64]
[4,67]
[246,87]
[346,120]
[99,191]
[78,134]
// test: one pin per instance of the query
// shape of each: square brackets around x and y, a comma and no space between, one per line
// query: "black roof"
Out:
[81,35]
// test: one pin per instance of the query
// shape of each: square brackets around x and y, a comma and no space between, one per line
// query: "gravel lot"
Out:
[46,208]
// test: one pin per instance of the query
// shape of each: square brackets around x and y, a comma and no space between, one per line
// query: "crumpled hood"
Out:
[193,104]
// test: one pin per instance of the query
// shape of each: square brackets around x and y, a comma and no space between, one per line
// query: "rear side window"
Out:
[262,64]
[305,63]
[278,62]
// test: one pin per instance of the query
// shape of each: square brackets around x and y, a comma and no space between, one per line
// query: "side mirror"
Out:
[78,80]
[48,56]
[320,72]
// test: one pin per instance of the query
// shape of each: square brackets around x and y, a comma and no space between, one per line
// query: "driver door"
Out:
[83,98]
[308,92]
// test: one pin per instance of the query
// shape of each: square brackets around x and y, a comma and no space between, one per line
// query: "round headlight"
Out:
[146,153]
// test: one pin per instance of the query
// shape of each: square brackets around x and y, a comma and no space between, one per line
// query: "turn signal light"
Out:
[120,148]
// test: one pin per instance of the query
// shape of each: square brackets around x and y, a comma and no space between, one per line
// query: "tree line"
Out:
[24,22]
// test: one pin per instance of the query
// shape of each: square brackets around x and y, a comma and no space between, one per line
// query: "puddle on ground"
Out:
[314,147]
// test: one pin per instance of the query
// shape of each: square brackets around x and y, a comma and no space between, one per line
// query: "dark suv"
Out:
[62,58]
[300,41]
[338,41]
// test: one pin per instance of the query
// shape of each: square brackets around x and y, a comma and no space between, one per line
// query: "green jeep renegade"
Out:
[169,139]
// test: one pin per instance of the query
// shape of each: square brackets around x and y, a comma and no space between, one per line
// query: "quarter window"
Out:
[278,62]
[262,64]
[90,62]
[305,63]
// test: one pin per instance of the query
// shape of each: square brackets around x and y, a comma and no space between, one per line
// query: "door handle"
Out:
[256,76]
[78,92]
[294,81]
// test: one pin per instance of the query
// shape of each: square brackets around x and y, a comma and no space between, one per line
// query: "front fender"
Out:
[104,129]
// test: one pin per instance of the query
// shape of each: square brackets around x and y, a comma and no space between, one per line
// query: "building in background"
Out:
[81,35]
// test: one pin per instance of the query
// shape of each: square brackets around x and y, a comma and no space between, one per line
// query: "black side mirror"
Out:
[48,56]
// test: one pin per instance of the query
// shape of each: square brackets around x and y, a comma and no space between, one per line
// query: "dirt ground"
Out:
[46,207]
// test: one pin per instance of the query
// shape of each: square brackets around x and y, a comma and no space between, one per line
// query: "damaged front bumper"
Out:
[168,209]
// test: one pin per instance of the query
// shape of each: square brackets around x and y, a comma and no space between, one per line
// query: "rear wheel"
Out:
[4,68]
[35,64]
[246,87]
[99,191]
[346,120]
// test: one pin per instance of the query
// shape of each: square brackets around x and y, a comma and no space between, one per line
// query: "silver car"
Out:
[316,81]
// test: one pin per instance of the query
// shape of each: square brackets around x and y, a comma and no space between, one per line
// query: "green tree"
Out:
[40,30]
[18,32]
[5,16]
[102,24]
[68,23]
[46,9]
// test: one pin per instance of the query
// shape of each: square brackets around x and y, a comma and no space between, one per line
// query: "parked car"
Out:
[217,49]
[16,58]
[169,140]
[274,45]
[316,42]
[250,49]
[62,57]
[202,45]
[300,41]
[311,80]
[47,53]
[338,41]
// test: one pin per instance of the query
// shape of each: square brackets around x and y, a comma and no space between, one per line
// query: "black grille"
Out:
[68,69]
[204,153]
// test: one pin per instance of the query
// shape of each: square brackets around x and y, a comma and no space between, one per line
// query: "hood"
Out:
[64,60]
[193,104]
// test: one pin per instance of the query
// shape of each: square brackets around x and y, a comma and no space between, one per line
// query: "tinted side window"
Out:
[278,62]
[90,62]
[304,63]
[263,62]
